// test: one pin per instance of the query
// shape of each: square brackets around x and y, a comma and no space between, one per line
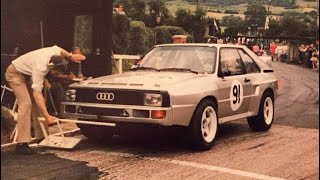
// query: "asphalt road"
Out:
[289,150]
[298,103]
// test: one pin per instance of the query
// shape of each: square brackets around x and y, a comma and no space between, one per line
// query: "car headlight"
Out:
[152,99]
[70,95]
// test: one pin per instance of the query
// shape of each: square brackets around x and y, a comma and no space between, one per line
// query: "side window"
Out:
[230,62]
[250,65]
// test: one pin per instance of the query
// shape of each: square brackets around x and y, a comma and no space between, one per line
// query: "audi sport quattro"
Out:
[198,86]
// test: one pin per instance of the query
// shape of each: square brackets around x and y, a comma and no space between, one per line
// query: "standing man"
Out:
[29,70]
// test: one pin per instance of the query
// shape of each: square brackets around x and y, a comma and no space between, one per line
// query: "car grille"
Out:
[121,97]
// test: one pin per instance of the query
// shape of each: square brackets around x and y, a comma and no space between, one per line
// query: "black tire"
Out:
[260,122]
[96,133]
[199,139]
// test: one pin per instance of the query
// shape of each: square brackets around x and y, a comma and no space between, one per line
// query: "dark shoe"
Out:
[23,148]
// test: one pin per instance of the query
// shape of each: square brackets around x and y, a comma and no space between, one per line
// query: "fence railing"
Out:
[119,58]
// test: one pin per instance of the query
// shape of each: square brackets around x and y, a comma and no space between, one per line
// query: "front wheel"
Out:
[204,125]
[264,119]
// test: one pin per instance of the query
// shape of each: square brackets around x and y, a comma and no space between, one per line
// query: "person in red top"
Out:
[273,47]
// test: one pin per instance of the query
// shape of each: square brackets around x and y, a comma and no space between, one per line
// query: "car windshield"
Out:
[180,59]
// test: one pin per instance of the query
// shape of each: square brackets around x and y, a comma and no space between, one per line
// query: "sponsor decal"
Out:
[236,95]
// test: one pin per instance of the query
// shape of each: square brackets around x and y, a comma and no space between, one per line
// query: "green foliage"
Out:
[121,34]
[224,3]
[275,28]
[164,33]
[150,38]
[255,14]
[284,3]
[193,23]
[137,37]
[300,24]
[135,9]
[231,20]
[183,19]
[158,8]
[293,26]
[131,37]
[234,25]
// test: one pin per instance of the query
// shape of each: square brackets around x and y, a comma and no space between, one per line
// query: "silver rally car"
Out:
[198,86]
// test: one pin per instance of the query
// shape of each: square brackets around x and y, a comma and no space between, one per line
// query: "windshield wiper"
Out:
[144,68]
[179,69]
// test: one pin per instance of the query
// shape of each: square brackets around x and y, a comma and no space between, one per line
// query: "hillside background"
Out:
[220,8]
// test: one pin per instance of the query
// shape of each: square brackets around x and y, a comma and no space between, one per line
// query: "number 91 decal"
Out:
[236,95]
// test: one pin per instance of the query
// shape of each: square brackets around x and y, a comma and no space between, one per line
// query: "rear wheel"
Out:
[264,119]
[96,133]
[204,125]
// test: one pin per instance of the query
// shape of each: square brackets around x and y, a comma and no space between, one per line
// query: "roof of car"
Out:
[200,44]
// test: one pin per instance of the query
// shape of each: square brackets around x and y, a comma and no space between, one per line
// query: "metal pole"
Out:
[41,34]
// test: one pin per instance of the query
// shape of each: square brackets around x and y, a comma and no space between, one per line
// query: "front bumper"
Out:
[115,113]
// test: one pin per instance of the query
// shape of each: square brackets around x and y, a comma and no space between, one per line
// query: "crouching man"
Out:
[26,77]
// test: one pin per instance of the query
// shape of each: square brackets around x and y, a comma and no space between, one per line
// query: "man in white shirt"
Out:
[31,68]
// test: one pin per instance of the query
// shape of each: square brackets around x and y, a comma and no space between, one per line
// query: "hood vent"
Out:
[115,84]
[135,84]
[267,70]
[93,83]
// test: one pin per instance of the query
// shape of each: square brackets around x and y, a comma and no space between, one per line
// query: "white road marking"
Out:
[196,165]
[225,170]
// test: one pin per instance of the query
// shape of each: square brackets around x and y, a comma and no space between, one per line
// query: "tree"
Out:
[275,28]
[194,23]
[255,15]
[214,27]
[183,19]
[231,20]
[135,9]
[234,25]
[300,24]
[199,24]
[121,34]
[158,8]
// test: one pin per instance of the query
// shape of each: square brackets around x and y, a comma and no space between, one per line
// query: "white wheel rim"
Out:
[268,110]
[209,124]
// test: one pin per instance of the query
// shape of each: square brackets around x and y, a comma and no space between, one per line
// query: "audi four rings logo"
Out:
[105,96]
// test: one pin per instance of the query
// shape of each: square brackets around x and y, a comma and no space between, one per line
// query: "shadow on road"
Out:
[158,140]
[44,166]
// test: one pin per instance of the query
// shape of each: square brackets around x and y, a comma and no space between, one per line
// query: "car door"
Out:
[234,85]
[252,70]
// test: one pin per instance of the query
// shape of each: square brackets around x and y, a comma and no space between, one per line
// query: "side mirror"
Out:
[137,64]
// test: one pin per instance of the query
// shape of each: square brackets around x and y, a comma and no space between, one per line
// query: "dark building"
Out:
[32,24]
